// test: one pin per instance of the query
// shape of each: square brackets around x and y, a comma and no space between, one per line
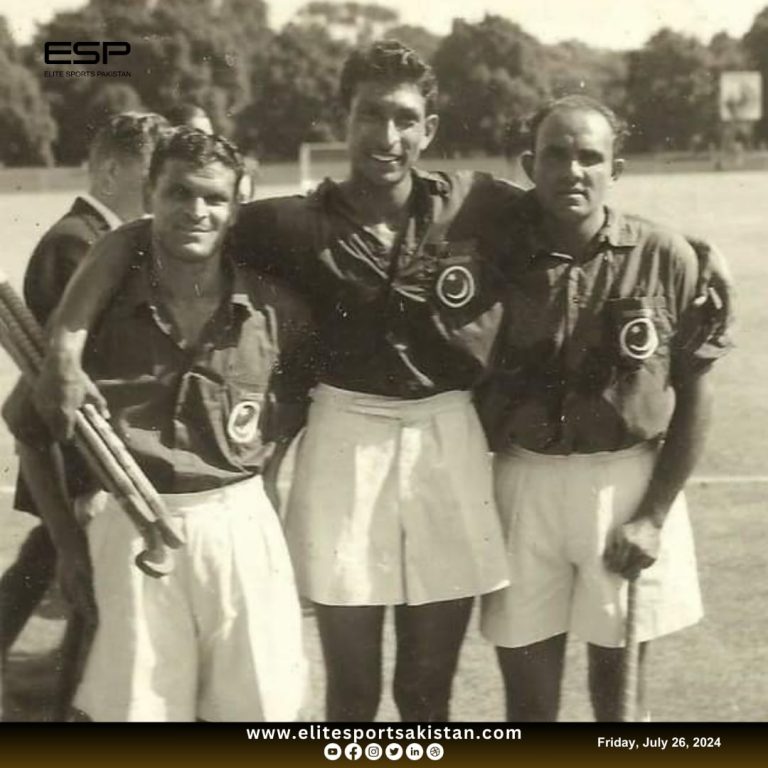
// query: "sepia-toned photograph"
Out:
[384,362]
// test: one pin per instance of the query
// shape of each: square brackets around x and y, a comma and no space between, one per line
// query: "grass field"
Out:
[717,671]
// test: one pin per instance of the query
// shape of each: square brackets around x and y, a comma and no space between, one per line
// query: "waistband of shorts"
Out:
[244,494]
[390,407]
[641,449]
[232,494]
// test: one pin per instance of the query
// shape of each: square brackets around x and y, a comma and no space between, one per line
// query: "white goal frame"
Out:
[312,170]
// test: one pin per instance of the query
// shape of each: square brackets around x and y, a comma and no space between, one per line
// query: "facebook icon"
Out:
[353,751]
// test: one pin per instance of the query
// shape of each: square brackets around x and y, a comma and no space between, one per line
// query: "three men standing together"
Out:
[577,331]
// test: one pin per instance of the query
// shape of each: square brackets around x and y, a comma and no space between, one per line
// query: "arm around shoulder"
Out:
[62,386]
[98,277]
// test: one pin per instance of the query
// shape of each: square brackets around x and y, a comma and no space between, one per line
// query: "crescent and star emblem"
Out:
[638,338]
[243,422]
[456,287]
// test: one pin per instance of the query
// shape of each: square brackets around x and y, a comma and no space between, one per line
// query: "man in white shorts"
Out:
[200,364]
[597,413]
[392,500]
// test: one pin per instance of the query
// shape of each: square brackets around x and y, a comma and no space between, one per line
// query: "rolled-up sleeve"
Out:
[701,338]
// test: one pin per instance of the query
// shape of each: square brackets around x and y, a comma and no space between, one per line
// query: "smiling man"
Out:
[392,501]
[191,357]
[597,412]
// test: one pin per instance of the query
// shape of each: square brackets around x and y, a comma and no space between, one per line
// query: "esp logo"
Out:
[86,51]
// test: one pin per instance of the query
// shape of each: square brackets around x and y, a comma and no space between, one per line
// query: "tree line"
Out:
[270,91]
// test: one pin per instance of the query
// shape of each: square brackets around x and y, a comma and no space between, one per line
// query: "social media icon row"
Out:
[354,751]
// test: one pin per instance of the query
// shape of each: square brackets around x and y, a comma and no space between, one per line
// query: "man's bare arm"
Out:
[635,545]
[62,386]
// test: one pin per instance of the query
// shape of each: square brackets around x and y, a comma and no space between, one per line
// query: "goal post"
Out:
[321,159]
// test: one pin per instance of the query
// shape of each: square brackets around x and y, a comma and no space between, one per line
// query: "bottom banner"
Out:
[321,744]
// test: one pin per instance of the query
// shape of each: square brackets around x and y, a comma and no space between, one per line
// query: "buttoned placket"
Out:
[573,302]
[216,327]
[571,315]
[570,305]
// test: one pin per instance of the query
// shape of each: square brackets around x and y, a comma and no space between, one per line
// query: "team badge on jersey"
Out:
[638,338]
[243,422]
[456,286]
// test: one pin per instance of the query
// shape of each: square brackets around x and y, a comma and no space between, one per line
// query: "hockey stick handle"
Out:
[630,658]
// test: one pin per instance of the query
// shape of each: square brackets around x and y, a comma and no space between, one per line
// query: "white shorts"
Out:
[557,512]
[218,639]
[392,502]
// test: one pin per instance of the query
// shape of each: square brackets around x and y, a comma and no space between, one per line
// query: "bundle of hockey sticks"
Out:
[104,452]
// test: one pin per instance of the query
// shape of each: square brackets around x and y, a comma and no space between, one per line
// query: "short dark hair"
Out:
[387,61]
[579,102]
[128,136]
[193,146]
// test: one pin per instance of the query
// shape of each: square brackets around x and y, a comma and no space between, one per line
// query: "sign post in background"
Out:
[740,101]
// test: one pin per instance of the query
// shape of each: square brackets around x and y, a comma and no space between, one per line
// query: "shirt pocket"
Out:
[640,329]
[459,280]
[229,411]
[465,298]
[245,414]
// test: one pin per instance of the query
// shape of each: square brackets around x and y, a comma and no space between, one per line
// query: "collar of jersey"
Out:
[426,185]
[618,231]
[141,287]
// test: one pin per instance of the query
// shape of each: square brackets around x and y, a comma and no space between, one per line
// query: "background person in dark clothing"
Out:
[117,171]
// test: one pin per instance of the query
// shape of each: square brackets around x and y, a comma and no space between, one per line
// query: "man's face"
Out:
[573,166]
[193,209]
[388,129]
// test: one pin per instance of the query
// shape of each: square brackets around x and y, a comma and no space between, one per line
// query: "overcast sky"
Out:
[608,23]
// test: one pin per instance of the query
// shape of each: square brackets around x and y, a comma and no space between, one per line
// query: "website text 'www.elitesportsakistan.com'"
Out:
[389,732]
